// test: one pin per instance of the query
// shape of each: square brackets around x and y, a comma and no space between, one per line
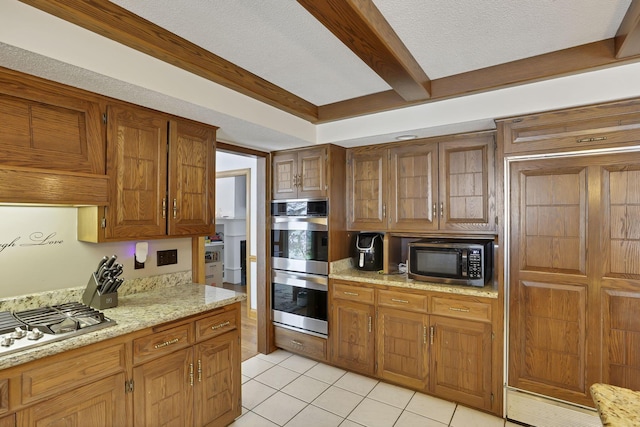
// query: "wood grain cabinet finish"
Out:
[50,134]
[460,367]
[101,403]
[300,343]
[152,196]
[448,354]
[194,386]
[352,328]
[597,126]
[574,274]
[300,174]
[437,184]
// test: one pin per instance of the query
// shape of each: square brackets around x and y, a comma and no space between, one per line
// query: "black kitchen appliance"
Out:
[368,251]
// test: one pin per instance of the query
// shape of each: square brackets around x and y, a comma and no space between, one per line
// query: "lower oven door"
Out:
[299,301]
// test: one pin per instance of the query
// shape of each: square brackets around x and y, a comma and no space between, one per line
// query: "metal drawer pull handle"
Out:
[404,301]
[369,323]
[199,370]
[598,138]
[191,374]
[166,343]
[355,294]
[175,208]
[462,309]
[432,331]
[164,207]
[298,343]
[221,325]
[424,334]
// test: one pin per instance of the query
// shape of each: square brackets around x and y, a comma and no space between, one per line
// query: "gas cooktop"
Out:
[30,328]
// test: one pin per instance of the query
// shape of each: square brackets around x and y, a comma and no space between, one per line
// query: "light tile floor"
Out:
[283,389]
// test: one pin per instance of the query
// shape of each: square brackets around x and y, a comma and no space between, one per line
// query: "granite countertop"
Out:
[134,312]
[344,270]
[617,406]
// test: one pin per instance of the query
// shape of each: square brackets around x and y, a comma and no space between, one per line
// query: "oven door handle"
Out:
[304,224]
[319,283]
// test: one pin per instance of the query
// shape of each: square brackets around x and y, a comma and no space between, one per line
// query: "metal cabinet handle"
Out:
[441,209]
[221,325]
[175,208]
[403,301]
[384,210]
[432,331]
[191,374]
[199,370]
[298,343]
[355,294]
[424,334]
[435,210]
[369,323]
[592,139]
[461,309]
[164,207]
[166,343]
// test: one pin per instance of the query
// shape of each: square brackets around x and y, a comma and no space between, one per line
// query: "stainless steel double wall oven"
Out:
[300,267]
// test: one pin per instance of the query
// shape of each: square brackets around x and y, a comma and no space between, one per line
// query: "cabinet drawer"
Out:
[4,396]
[462,309]
[68,372]
[403,300]
[303,344]
[353,293]
[216,324]
[161,343]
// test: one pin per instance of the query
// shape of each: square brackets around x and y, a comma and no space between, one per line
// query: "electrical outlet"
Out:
[137,265]
[168,257]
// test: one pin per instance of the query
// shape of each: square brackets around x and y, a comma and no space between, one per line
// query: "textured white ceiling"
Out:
[277,40]
[281,42]
[452,37]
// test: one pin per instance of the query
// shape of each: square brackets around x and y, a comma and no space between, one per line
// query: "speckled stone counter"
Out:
[151,305]
[617,406]
[344,270]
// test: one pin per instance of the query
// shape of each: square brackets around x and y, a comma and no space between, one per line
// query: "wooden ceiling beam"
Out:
[564,62]
[628,35]
[362,28]
[118,24]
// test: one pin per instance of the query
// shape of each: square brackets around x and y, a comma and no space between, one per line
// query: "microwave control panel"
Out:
[475,264]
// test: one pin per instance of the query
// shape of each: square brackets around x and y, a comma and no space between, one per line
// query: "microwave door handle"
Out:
[465,262]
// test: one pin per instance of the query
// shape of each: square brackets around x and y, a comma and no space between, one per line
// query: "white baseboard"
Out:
[541,412]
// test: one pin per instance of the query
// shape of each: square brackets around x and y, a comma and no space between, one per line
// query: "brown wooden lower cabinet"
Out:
[184,373]
[461,361]
[426,341]
[101,403]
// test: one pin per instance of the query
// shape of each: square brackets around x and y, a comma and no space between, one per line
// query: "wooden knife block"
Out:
[93,298]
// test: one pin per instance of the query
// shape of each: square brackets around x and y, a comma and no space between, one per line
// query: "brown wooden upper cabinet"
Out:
[152,195]
[300,174]
[51,143]
[436,184]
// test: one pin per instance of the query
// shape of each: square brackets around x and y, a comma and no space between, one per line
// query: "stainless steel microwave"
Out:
[452,261]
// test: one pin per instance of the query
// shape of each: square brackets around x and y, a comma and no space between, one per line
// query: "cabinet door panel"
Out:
[413,187]
[137,166]
[191,178]
[366,190]
[352,344]
[311,170]
[621,322]
[461,361]
[547,348]
[98,404]
[402,347]
[218,380]
[549,216]
[285,170]
[163,394]
[48,127]
[467,184]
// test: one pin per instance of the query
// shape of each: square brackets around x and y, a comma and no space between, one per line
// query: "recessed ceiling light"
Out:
[405,137]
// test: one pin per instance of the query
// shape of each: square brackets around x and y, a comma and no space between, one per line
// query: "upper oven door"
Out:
[300,244]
